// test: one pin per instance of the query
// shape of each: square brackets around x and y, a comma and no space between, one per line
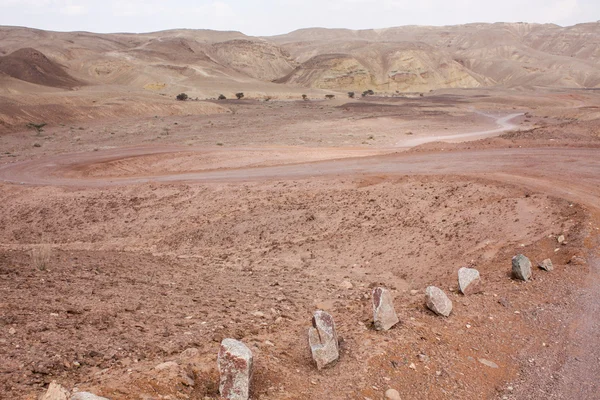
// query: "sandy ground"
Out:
[164,235]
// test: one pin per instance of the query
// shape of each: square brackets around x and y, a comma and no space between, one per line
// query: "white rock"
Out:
[235,366]
[55,392]
[392,394]
[437,301]
[469,281]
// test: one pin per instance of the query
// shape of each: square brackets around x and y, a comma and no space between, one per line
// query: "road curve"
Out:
[549,169]
[504,124]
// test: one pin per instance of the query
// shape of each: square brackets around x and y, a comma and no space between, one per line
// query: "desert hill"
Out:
[30,65]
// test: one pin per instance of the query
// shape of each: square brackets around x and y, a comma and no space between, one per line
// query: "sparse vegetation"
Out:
[329,96]
[368,93]
[304,97]
[268,98]
[39,128]
[239,95]
[222,97]
[182,97]
[351,94]
[40,256]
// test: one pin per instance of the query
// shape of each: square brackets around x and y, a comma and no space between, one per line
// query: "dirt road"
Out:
[548,169]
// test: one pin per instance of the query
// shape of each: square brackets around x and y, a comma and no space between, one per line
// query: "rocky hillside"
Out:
[405,59]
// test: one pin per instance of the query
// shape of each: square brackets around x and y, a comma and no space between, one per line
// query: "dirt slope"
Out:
[30,65]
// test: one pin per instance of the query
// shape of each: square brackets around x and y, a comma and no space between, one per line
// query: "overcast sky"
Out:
[270,17]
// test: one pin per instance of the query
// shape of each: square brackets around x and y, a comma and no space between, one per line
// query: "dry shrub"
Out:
[40,256]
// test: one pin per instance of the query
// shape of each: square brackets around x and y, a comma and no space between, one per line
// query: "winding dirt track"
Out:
[572,173]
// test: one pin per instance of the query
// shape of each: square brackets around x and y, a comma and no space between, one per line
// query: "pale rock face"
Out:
[469,281]
[55,392]
[323,340]
[384,315]
[235,366]
[437,301]
[521,267]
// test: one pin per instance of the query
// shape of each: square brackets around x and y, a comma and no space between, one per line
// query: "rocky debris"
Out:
[55,392]
[86,396]
[235,366]
[392,394]
[384,315]
[437,301]
[323,340]
[469,281]
[546,265]
[521,267]
[560,239]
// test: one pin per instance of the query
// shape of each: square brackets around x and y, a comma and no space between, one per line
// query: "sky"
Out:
[271,17]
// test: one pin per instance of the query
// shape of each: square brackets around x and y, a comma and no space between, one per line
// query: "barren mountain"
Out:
[503,54]
[409,58]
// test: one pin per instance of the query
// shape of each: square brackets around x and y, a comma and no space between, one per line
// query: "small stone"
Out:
[346,285]
[437,301]
[323,340]
[166,365]
[577,260]
[469,281]
[86,396]
[414,292]
[412,366]
[521,267]
[488,363]
[12,331]
[258,314]
[235,367]
[55,392]
[424,358]
[560,239]
[392,394]
[546,265]
[384,315]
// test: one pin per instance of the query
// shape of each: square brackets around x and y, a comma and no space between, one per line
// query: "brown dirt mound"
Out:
[32,66]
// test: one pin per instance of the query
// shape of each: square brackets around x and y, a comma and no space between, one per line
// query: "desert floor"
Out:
[130,247]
